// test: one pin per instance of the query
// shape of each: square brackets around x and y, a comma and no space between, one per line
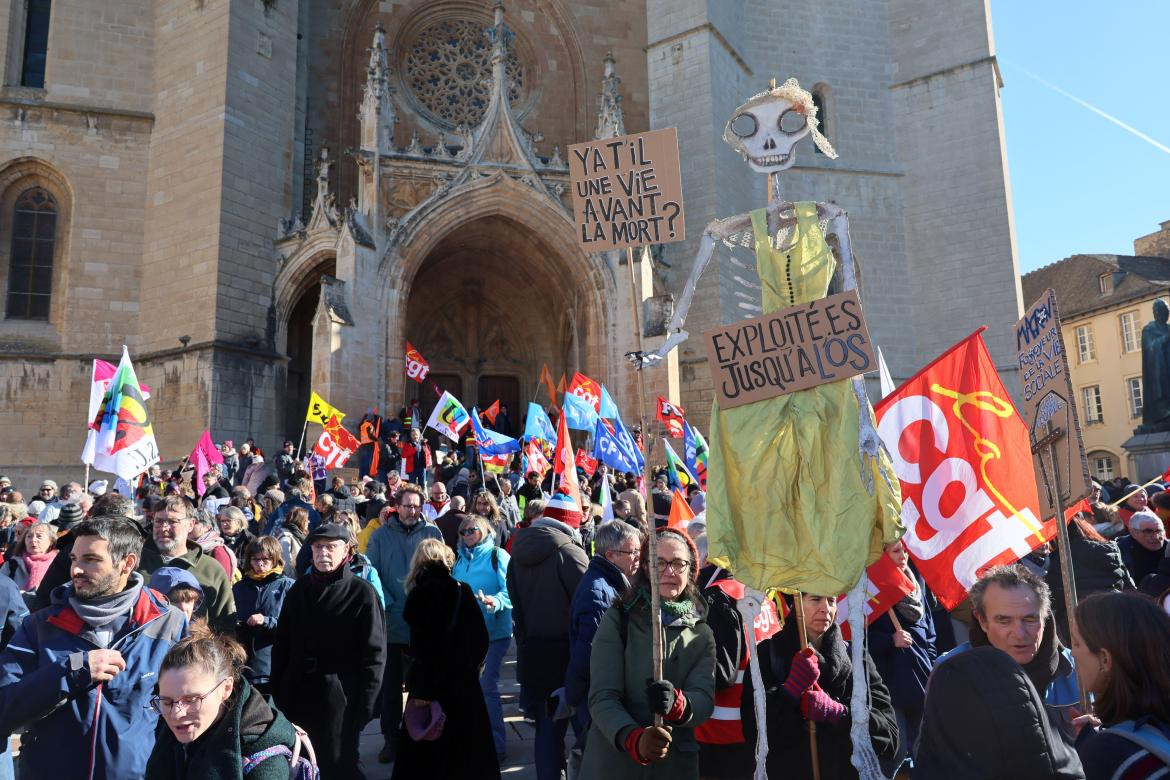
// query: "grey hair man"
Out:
[1145,546]
[1013,613]
[618,551]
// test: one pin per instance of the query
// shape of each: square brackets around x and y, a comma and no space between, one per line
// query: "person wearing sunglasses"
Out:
[624,697]
[483,565]
[215,720]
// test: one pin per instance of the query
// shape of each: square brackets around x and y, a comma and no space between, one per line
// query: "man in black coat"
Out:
[547,565]
[329,653]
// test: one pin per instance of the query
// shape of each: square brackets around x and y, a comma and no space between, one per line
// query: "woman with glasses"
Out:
[624,697]
[213,720]
[483,565]
[259,597]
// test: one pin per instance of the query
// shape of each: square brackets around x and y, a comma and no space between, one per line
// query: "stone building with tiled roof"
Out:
[1105,300]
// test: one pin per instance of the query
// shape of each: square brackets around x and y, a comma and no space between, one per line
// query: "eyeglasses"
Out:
[166,521]
[1151,531]
[187,703]
[469,531]
[632,552]
[678,566]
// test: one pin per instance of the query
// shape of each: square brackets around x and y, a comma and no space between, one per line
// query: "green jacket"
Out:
[218,606]
[617,699]
[252,724]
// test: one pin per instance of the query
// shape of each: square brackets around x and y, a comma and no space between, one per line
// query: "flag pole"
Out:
[652,537]
[814,756]
[1134,492]
[300,446]
[1048,443]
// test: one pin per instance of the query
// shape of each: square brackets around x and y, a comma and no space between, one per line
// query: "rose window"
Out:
[449,69]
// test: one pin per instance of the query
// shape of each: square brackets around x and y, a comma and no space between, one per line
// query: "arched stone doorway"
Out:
[491,303]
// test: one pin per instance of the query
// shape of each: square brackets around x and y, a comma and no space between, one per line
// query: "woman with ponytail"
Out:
[213,721]
[259,597]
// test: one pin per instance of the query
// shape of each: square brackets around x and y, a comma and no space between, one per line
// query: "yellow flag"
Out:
[319,411]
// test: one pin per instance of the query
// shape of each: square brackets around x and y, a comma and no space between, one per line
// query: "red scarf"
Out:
[37,565]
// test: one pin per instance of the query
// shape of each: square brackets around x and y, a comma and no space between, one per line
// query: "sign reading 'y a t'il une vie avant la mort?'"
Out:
[791,349]
[627,191]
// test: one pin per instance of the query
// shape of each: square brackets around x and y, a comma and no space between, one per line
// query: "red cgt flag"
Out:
[885,586]
[588,390]
[957,445]
[672,417]
[492,411]
[585,462]
[416,368]
[336,444]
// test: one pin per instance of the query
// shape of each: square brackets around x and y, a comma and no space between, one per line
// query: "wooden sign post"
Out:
[627,193]
[1049,411]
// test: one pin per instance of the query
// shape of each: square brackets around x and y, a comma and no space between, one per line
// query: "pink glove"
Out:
[816,705]
[805,672]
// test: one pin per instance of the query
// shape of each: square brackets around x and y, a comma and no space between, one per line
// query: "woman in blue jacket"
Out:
[484,567]
[259,597]
[902,645]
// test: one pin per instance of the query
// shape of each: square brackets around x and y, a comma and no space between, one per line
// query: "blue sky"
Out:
[1080,183]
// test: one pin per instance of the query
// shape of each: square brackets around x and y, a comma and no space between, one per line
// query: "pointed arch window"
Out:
[34,239]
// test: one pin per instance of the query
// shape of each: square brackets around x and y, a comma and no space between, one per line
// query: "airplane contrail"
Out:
[1128,128]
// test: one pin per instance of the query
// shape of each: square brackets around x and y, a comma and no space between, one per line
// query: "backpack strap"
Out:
[254,760]
[1146,735]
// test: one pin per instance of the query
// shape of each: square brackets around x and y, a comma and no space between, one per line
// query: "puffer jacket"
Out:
[45,689]
[984,720]
[1097,567]
[619,668]
[1053,673]
[251,725]
[391,548]
[264,597]
[546,567]
[485,569]
[602,585]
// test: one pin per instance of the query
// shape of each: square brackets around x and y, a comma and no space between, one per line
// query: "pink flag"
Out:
[204,454]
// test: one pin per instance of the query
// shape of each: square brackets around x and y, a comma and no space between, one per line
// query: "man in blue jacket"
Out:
[390,550]
[614,563]
[78,675]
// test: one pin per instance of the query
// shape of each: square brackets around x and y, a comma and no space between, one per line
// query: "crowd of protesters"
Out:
[268,614]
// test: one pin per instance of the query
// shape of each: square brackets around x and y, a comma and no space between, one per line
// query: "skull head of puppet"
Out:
[765,129]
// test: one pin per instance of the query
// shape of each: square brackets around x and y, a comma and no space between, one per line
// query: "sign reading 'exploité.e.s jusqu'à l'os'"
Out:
[791,349]
[627,191]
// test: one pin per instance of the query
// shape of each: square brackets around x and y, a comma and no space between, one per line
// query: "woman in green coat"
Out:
[623,741]
[213,721]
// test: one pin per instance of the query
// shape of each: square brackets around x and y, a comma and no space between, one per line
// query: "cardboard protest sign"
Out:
[789,350]
[1049,405]
[627,191]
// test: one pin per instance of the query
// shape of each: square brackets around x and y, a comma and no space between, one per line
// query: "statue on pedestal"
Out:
[1156,371]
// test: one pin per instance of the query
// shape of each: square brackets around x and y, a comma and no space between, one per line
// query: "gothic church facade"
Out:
[259,197]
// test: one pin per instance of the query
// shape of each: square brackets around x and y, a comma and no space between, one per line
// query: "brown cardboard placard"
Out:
[788,350]
[1049,403]
[627,191]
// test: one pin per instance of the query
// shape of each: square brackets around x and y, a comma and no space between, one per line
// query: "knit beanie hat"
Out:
[70,516]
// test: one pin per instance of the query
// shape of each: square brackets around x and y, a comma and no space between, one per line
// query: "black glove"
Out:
[660,696]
